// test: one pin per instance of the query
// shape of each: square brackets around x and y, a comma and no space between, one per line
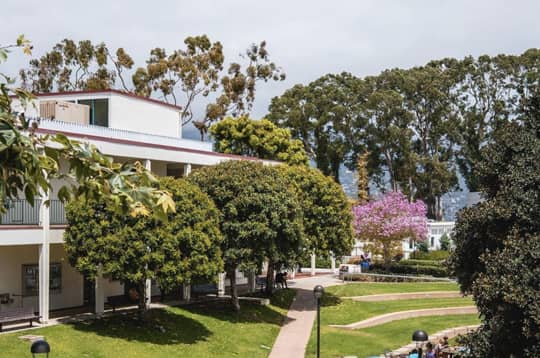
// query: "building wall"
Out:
[11,260]
[141,116]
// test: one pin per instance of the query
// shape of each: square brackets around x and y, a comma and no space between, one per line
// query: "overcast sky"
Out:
[307,38]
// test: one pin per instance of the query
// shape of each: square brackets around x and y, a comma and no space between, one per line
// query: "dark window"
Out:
[30,278]
[432,241]
[99,111]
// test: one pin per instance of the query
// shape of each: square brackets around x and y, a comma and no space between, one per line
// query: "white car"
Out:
[348,268]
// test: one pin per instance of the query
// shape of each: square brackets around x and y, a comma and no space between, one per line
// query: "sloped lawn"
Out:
[203,330]
[375,288]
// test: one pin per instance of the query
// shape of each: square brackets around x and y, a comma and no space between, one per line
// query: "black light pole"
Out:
[40,347]
[420,336]
[318,292]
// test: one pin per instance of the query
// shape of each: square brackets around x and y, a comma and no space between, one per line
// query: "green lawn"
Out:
[210,330]
[375,340]
[373,288]
[348,311]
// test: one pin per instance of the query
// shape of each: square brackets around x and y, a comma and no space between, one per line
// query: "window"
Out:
[30,279]
[432,241]
[99,111]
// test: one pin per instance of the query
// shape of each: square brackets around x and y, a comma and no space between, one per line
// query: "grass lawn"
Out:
[374,288]
[375,340]
[203,330]
[349,311]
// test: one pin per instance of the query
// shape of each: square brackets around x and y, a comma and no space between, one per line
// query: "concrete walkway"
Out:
[405,296]
[294,335]
[389,317]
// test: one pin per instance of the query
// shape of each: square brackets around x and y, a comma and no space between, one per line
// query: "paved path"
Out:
[294,335]
[405,296]
[389,317]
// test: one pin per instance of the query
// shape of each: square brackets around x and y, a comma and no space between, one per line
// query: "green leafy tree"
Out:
[257,138]
[193,71]
[497,242]
[29,161]
[445,242]
[322,115]
[73,66]
[260,217]
[184,249]
[327,215]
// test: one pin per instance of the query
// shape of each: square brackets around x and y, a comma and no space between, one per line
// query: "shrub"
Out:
[422,246]
[431,255]
[398,268]
[414,262]
[445,242]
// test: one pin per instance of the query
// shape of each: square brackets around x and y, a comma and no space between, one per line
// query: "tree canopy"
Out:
[184,249]
[497,241]
[257,138]
[327,217]
[260,217]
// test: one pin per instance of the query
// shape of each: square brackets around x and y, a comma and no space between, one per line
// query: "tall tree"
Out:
[385,223]
[71,66]
[30,161]
[429,98]
[497,242]
[184,249]
[321,115]
[363,178]
[260,217]
[258,138]
[193,71]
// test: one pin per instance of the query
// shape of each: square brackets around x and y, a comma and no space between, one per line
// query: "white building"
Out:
[34,270]
[436,230]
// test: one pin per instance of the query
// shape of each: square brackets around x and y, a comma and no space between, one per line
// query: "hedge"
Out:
[432,255]
[435,271]
[413,262]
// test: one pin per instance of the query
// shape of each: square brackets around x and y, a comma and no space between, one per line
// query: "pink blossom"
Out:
[391,218]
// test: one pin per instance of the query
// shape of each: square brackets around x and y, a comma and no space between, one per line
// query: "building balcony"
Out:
[21,212]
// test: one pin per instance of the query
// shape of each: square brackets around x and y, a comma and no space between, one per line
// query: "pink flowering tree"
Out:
[385,223]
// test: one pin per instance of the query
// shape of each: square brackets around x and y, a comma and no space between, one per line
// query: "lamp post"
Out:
[318,291]
[40,347]
[419,336]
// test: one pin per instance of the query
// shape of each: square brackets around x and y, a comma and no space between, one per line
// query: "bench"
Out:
[118,301]
[15,315]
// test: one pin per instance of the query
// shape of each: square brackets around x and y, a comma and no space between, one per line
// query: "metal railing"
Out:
[21,212]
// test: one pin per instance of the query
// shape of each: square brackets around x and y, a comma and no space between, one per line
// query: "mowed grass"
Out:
[374,288]
[348,311]
[375,340]
[204,330]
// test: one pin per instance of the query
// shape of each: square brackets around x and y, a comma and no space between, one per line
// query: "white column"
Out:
[99,295]
[44,261]
[333,262]
[221,284]
[148,164]
[187,292]
[187,169]
[251,282]
[148,292]
[313,264]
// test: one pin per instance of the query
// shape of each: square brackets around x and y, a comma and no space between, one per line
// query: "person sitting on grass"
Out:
[281,279]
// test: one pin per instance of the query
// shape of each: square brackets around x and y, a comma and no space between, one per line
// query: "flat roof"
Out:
[108,91]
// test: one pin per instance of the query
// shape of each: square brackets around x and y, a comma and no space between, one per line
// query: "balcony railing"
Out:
[21,212]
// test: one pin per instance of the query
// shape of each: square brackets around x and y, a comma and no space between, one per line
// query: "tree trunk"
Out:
[234,292]
[270,278]
[141,288]
[387,258]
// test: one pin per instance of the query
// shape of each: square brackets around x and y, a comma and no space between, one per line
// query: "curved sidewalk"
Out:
[296,330]
[405,296]
[389,317]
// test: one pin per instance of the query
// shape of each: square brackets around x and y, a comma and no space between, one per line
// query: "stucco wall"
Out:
[11,260]
[141,116]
